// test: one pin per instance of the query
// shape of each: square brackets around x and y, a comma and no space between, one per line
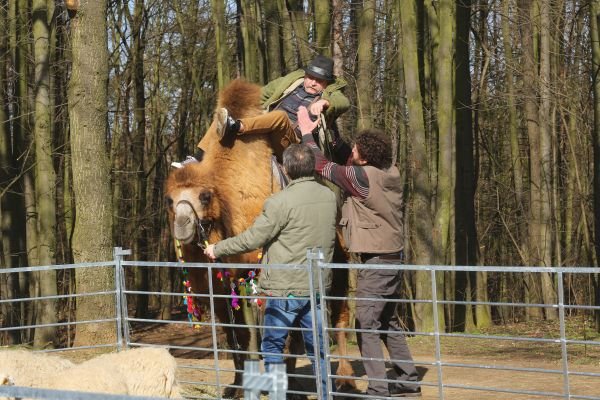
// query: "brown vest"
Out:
[374,224]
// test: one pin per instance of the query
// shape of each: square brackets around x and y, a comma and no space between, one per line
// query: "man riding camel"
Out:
[314,87]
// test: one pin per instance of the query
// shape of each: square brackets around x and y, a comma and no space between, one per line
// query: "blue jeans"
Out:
[286,313]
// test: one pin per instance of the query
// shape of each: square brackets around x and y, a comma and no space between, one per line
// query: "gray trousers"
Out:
[378,314]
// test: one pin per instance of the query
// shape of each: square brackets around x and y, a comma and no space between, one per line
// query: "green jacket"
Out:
[300,217]
[273,92]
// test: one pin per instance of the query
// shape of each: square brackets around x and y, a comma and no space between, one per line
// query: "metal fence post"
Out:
[314,256]
[436,333]
[250,371]
[280,382]
[213,327]
[563,336]
[274,381]
[324,321]
[121,307]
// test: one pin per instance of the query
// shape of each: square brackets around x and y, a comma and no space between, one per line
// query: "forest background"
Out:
[493,107]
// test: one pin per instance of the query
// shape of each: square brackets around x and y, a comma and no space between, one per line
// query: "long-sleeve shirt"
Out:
[351,178]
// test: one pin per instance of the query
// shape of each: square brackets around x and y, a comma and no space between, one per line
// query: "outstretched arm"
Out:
[266,226]
[351,178]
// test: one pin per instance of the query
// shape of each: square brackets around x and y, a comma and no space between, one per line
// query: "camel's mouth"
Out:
[185,229]
[184,233]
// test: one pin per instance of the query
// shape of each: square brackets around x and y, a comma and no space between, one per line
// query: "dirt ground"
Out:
[198,377]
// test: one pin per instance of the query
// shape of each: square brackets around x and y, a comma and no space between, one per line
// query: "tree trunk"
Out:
[530,78]
[441,230]
[60,127]
[273,40]
[595,38]
[337,54]
[290,59]
[546,180]
[12,211]
[45,177]
[13,202]
[140,228]
[92,239]
[249,25]
[323,27]
[222,57]
[517,167]
[466,242]
[445,168]
[300,24]
[364,81]
[419,204]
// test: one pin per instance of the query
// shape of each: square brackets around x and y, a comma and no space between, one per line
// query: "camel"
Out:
[220,197]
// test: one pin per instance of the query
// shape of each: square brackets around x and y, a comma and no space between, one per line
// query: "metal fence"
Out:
[561,362]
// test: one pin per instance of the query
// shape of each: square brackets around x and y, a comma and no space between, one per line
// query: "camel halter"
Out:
[203,234]
[202,231]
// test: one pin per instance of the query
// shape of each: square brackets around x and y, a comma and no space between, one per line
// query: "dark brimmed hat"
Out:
[321,67]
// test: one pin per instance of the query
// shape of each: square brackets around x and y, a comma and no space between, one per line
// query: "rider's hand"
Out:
[209,251]
[304,122]
[318,107]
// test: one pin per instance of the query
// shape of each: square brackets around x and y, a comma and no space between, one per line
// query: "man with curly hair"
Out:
[372,227]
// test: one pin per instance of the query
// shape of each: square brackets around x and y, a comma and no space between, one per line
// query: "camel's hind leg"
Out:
[340,315]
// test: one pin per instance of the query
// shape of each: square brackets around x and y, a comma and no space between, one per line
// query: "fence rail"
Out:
[448,374]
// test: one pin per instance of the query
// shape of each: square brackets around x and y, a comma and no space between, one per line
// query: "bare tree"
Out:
[92,239]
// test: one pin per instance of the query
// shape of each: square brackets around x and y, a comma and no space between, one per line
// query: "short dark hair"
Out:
[375,148]
[299,161]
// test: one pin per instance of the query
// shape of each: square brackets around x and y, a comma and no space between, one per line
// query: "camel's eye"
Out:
[169,201]
[205,197]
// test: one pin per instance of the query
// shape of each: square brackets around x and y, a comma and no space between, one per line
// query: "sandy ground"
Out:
[197,368]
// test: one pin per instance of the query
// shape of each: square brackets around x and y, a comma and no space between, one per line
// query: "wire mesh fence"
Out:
[556,358]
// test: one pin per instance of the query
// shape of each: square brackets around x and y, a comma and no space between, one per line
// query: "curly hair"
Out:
[375,147]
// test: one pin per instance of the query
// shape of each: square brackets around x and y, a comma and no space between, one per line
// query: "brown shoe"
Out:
[227,127]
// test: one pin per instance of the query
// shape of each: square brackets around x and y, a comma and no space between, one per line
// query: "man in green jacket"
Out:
[314,87]
[300,217]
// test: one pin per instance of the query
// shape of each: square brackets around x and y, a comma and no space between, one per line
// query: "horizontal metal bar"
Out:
[71,349]
[218,324]
[502,368]
[52,394]
[575,396]
[457,335]
[496,337]
[58,297]
[468,268]
[503,390]
[42,268]
[219,351]
[584,342]
[470,336]
[97,321]
[591,374]
[403,267]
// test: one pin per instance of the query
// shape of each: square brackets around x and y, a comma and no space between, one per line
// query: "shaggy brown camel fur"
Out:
[221,196]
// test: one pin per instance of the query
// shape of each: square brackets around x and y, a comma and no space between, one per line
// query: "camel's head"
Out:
[192,203]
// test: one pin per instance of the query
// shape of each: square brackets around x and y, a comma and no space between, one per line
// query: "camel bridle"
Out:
[203,227]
